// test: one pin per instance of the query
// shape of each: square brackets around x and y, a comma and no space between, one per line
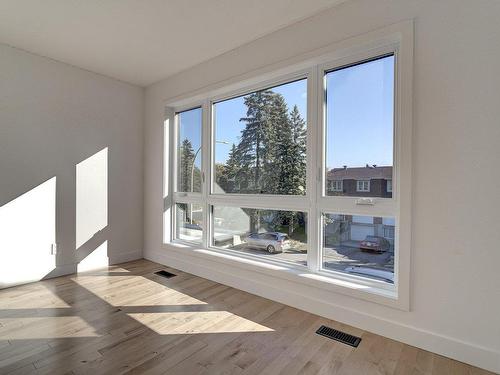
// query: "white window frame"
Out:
[360,186]
[337,185]
[396,39]
[257,201]
[174,224]
[182,196]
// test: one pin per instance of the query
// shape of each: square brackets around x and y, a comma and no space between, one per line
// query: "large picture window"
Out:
[303,170]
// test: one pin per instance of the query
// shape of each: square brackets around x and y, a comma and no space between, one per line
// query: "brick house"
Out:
[368,181]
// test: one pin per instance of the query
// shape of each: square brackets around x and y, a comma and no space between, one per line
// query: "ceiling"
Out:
[143,41]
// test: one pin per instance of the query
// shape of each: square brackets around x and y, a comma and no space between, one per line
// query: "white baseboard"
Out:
[302,297]
[37,275]
[62,270]
[125,257]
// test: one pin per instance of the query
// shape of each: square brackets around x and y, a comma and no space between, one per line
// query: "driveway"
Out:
[294,256]
[340,257]
[335,258]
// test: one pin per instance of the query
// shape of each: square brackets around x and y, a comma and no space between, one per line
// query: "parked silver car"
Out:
[273,242]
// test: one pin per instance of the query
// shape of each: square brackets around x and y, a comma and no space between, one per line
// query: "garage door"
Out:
[359,232]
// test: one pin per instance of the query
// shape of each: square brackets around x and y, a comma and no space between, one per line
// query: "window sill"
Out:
[336,282]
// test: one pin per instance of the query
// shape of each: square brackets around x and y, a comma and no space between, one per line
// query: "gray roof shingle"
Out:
[360,173]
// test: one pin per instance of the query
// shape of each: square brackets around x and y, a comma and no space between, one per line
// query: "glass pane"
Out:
[189,219]
[359,245]
[189,151]
[260,142]
[275,234]
[359,129]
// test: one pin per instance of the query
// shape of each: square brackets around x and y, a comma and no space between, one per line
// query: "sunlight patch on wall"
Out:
[97,259]
[27,235]
[175,323]
[91,196]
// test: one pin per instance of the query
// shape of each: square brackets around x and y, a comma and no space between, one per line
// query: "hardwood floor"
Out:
[128,320]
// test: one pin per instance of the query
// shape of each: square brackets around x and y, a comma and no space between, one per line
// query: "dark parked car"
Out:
[374,243]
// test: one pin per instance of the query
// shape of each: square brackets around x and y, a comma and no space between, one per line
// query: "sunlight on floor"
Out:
[119,289]
[163,298]
[174,323]
[117,269]
[45,328]
[116,272]
[15,298]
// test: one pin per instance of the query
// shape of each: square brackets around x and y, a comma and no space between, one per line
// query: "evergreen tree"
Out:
[233,167]
[227,174]
[254,147]
[284,146]
[289,158]
[185,174]
[298,152]
[221,181]
[196,180]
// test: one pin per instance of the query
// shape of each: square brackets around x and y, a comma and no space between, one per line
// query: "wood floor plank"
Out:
[127,320]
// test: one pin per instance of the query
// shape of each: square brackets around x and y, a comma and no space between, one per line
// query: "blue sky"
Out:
[190,128]
[359,115]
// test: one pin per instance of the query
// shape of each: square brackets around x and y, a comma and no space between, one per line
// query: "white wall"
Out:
[68,138]
[455,289]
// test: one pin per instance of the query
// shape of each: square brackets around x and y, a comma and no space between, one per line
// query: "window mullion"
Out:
[313,176]
[169,149]
[206,166]
[279,202]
